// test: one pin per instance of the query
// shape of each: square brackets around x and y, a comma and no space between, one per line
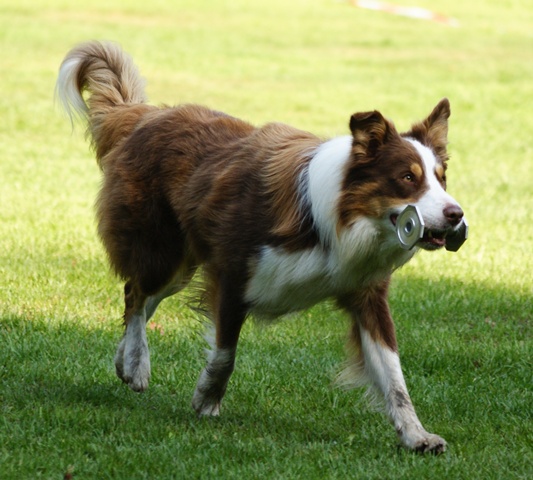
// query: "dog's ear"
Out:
[433,131]
[370,130]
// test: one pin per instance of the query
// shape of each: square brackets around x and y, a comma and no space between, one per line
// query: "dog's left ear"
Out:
[433,131]
[370,130]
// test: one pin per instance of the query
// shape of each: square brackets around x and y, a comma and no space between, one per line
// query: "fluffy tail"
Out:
[111,80]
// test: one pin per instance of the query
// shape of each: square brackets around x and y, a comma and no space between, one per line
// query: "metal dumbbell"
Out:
[410,229]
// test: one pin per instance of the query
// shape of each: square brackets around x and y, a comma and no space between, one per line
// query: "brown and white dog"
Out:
[278,218]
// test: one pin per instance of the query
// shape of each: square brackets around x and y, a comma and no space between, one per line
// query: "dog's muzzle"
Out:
[410,229]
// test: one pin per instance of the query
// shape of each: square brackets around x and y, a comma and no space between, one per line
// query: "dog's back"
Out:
[177,181]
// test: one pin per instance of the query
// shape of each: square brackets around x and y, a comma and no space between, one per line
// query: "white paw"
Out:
[205,406]
[213,381]
[137,371]
[424,442]
[133,365]
[119,359]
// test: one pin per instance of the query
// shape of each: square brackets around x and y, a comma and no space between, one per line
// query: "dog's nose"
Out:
[454,214]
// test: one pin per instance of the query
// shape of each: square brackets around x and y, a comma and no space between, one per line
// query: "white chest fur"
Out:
[284,282]
[357,256]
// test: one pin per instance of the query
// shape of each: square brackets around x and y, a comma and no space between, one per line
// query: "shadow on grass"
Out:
[471,335]
[66,364]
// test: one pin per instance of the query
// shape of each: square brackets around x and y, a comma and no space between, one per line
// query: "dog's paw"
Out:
[138,382]
[204,405]
[119,360]
[425,443]
[132,366]
[137,373]
[431,444]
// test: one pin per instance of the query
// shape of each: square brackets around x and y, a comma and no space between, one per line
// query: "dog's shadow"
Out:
[67,384]
[41,370]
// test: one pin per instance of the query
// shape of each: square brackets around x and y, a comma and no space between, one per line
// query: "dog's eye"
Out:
[409,177]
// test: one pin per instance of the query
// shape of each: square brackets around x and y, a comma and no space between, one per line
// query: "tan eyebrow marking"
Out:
[439,171]
[417,170]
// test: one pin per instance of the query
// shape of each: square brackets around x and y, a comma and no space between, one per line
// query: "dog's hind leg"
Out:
[374,338]
[230,313]
[132,359]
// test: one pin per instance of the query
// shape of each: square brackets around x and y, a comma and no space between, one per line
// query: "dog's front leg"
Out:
[374,338]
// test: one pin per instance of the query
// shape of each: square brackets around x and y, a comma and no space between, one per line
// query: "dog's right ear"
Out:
[433,131]
[370,130]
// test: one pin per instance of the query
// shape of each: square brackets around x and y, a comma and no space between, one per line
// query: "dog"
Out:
[277,218]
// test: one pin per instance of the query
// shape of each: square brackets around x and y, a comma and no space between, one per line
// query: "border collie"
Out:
[278,218]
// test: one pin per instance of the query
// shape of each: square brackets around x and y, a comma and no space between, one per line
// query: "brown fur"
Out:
[188,186]
[294,150]
[433,131]
[370,311]
[378,148]
[175,178]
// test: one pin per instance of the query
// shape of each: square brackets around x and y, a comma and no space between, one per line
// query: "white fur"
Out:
[289,281]
[67,90]
[382,368]
[133,357]
[325,174]
[382,365]
[433,202]
[283,281]
[213,380]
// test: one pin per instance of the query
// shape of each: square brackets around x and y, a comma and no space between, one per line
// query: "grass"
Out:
[464,319]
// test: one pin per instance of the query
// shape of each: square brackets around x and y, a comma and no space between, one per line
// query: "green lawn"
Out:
[463,320]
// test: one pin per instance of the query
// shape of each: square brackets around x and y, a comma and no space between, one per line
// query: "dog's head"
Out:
[387,171]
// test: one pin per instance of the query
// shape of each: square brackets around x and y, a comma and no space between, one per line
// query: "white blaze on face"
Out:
[435,200]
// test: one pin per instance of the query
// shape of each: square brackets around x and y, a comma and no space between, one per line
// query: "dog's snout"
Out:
[453,214]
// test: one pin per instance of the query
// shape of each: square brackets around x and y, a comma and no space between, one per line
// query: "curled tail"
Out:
[111,80]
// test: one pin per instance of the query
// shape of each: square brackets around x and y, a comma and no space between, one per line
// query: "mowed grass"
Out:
[463,319]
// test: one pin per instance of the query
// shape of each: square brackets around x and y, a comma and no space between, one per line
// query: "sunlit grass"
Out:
[463,320]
